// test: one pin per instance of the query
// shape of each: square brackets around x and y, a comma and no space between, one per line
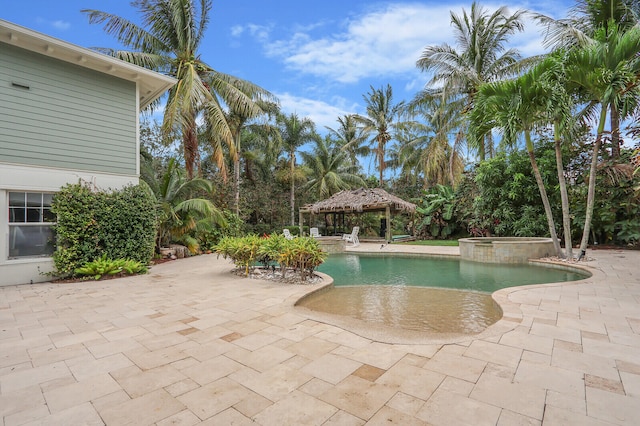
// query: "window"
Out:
[30,224]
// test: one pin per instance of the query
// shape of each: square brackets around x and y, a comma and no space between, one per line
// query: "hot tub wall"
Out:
[505,249]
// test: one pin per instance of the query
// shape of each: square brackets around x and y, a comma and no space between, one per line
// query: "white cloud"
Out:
[61,25]
[322,113]
[383,42]
[58,24]
[259,32]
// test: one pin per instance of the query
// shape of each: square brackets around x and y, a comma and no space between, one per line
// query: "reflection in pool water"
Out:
[423,293]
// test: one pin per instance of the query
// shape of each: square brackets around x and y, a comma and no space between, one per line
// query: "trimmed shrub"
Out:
[118,225]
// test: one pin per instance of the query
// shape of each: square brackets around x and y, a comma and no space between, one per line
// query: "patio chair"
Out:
[352,237]
[287,234]
[314,233]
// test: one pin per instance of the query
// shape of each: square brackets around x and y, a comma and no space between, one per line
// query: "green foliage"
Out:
[616,214]
[271,248]
[300,254]
[104,266]
[435,212]
[504,200]
[182,214]
[243,251]
[117,224]
[233,226]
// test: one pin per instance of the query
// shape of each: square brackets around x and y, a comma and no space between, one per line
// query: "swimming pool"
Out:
[422,293]
[423,271]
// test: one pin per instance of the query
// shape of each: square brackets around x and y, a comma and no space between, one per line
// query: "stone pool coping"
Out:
[191,343]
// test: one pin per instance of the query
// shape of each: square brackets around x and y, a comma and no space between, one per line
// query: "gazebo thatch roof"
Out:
[359,200]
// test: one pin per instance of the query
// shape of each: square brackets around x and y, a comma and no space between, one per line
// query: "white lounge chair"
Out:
[352,237]
[314,233]
[287,234]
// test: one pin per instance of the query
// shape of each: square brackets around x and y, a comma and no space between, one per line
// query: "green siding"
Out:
[70,117]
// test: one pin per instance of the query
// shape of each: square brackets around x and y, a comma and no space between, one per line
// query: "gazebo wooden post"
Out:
[387,233]
[300,220]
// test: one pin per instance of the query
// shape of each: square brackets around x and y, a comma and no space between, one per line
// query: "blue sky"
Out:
[318,57]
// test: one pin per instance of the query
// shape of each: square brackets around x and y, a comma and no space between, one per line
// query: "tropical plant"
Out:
[559,106]
[329,169]
[233,226]
[501,196]
[294,132]
[270,250]
[381,121]
[302,254]
[438,160]
[588,20]
[98,268]
[481,58]
[237,119]
[616,215]
[168,41]
[516,107]
[180,211]
[242,251]
[436,212]
[350,138]
[607,72]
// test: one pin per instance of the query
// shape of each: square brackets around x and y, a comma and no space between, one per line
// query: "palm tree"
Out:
[330,168]
[440,161]
[179,210]
[516,107]
[381,121]
[168,42]
[550,75]
[294,132]
[587,18]
[237,121]
[350,138]
[481,58]
[607,72]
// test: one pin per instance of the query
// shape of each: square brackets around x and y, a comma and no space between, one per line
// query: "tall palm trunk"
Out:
[566,217]
[190,142]
[236,178]
[236,175]
[543,194]
[591,193]
[293,188]
[381,159]
[456,144]
[615,132]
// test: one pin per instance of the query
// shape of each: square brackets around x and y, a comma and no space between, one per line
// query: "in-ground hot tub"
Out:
[505,249]
[332,244]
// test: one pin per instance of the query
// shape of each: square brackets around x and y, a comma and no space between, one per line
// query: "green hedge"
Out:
[90,225]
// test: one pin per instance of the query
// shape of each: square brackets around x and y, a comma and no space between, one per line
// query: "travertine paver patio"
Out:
[190,343]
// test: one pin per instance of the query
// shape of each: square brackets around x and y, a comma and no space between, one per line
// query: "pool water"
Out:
[422,271]
[422,293]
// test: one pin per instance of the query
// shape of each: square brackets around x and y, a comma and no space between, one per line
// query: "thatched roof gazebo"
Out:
[358,201]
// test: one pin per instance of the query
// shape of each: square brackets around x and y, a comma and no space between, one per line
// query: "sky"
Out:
[318,57]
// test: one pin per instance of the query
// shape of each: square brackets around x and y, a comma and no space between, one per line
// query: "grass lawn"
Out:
[432,243]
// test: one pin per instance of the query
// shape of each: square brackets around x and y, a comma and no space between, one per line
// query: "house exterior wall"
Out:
[47,180]
[57,114]
[59,124]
